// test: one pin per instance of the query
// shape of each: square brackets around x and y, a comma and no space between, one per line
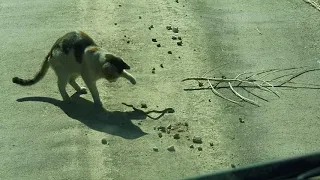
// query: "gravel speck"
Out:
[199,148]
[191,146]
[176,136]
[104,141]
[233,166]
[211,144]
[169,27]
[144,105]
[169,52]
[154,40]
[175,30]
[179,38]
[241,120]
[174,37]
[158,45]
[161,65]
[160,135]
[155,149]
[179,43]
[162,128]
[171,149]
[197,140]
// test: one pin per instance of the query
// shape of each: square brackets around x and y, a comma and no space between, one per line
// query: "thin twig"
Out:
[299,74]
[255,94]
[259,30]
[242,97]
[220,95]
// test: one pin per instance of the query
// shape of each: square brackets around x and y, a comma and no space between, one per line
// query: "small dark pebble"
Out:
[153,72]
[177,1]
[158,45]
[174,37]
[128,42]
[186,124]
[119,5]
[153,69]
[211,144]
[179,43]
[104,141]
[154,40]
[209,100]
[169,27]
[179,38]
[139,123]
[155,149]
[200,84]
[160,135]
[169,52]
[115,23]
[162,128]
[223,77]
[176,136]
[144,105]
[151,26]
[171,148]
[124,36]
[197,139]
[161,65]
[139,17]
[200,148]
[241,120]
[179,57]
[191,146]
[233,166]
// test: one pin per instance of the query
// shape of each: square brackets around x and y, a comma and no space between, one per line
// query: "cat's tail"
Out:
[28,82]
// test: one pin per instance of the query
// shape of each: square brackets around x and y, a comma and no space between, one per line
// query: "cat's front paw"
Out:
[83,90]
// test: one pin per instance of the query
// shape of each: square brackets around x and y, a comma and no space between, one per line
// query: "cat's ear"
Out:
[117,62]
[109,68]
[126,66]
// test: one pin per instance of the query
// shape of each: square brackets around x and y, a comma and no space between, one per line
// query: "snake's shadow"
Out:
[111,122]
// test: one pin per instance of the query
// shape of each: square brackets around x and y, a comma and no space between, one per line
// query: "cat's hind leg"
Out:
[62,84]
[75,85]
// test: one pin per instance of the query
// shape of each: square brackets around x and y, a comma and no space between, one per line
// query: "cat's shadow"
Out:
[111,122]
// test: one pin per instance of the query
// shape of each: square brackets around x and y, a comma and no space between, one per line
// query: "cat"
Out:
[76,54]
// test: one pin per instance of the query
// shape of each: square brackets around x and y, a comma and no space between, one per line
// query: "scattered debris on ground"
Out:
[104,141]
[197,139]
[144,105]
[171,148]
[154,40]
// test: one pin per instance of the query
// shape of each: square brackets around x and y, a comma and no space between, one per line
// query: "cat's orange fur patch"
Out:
[93,49]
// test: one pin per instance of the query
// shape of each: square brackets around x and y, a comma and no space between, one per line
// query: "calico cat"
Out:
[76,54]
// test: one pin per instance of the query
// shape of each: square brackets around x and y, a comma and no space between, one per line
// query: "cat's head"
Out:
[115,67]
